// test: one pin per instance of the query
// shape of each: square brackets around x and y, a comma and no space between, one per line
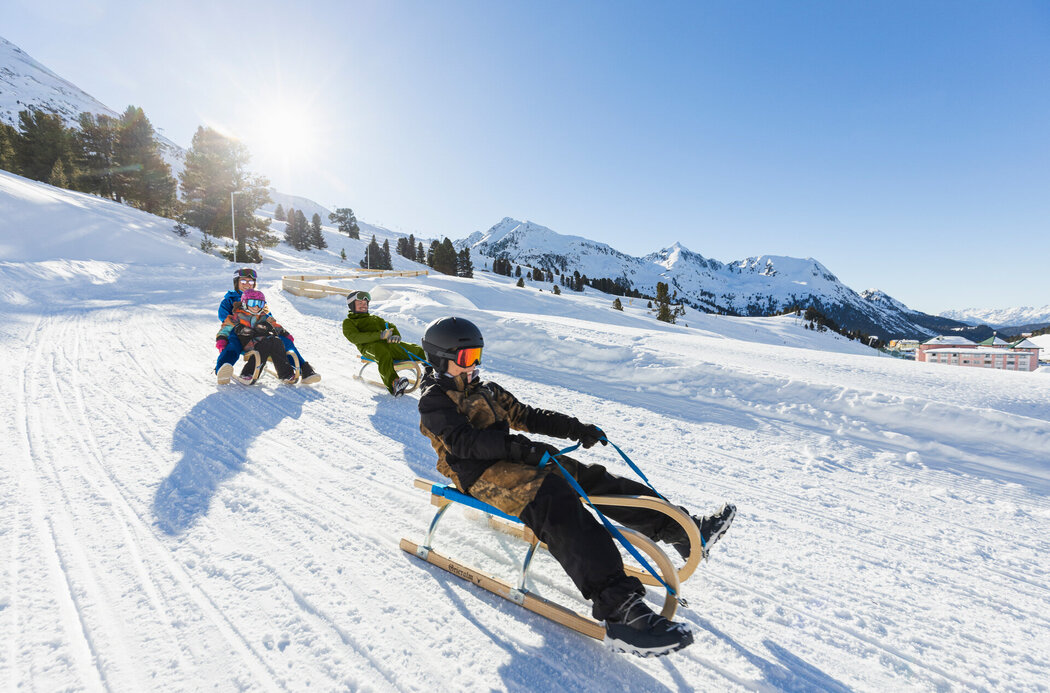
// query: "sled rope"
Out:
[605,521]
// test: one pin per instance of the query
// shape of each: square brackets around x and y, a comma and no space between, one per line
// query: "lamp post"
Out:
[233,222]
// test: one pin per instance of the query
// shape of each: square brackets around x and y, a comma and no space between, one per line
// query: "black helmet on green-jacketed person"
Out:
[452,339]
[243,273]
[358,296]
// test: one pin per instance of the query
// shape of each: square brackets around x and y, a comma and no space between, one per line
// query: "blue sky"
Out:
[905,145]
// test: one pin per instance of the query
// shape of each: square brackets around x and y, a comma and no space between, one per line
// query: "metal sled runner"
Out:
[405,367]
[445,496]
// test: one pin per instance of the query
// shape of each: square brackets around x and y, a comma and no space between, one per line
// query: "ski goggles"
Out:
[245,274]
[360,296]
[254,303]
[468,356]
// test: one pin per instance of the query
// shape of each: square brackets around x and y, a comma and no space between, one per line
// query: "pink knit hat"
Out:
[252,294]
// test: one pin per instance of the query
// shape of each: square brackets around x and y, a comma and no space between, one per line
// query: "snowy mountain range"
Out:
[764,285]
[1000,318]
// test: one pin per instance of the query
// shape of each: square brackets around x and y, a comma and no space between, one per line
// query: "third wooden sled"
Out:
[445,496]
[405,367]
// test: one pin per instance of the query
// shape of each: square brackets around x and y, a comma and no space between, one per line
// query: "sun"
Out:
[283,133]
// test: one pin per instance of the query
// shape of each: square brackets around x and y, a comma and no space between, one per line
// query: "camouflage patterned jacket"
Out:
[469,423]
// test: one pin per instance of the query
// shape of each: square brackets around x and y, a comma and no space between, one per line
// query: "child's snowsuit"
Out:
[259,332]
[233,350]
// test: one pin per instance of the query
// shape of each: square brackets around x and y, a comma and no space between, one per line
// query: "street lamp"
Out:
[233,222]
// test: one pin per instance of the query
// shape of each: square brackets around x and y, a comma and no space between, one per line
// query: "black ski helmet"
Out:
[445,336]
[354,296]
[244,273]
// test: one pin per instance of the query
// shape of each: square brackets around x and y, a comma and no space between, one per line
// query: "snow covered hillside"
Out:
[158,532]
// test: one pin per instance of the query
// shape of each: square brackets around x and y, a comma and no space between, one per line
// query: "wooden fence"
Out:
[307,284]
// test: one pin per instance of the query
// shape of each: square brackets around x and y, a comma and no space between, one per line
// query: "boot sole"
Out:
[652,651]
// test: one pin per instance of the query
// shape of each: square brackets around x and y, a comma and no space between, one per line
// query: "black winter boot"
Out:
[634,628]
[711,529]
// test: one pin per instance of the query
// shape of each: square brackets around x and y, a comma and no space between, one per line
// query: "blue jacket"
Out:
[226,307]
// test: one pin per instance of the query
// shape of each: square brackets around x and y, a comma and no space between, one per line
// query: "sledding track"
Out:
[163,532]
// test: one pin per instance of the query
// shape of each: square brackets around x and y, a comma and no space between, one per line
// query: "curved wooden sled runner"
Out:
[399,366]
[444,496]
[259,365]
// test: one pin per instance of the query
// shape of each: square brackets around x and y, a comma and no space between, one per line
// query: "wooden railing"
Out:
[306,284]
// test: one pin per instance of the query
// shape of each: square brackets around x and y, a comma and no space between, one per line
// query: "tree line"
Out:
[116,158]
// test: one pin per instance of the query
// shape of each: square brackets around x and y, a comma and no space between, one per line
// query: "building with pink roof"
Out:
[1022,355]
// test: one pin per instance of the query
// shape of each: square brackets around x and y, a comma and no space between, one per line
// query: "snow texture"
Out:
[158,532]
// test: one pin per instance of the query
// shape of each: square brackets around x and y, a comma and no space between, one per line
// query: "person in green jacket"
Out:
[378,340]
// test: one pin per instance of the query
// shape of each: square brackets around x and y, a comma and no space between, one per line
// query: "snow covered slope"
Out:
[763,285]
[160,533]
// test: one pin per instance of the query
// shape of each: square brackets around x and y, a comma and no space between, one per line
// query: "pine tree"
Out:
[216,166]
[517,271]
[342,255]
[421,255]
[42,140]
[386,262]
[521,281]
[617,305]
[180,230]
[292,234]
[557,291]
[432,252]
[464,267]
[57,177]
[302,230]
[445,258]
[316,235]
[343,217]
[143,179]
[278,213]
[7,148]
[372,253]
[96,156]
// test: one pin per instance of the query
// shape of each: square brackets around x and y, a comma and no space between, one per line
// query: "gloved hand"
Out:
[394,338]
[220,344]
[588,435]
[521,449]
[385,334]
[289,336]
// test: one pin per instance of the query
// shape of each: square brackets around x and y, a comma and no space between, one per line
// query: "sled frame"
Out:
[259,365]
[445,496]
[399,367]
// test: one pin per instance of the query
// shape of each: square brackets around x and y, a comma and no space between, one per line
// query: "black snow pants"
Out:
[272,348]
[579,541]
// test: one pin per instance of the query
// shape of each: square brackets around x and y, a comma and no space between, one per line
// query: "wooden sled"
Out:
[260,364]
[399,367]
[445,496]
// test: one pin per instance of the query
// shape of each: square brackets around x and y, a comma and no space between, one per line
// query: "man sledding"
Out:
[379,341]
[469,422]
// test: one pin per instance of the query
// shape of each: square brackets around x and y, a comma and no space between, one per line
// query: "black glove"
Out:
[521,449]
[588,435]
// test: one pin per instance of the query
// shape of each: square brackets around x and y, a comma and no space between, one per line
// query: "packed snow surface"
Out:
[158,532]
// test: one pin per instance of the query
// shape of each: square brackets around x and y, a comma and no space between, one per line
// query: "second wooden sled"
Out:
[445,496]
[405,367]
[260,364]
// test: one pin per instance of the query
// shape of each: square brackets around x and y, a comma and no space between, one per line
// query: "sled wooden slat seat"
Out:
[445,495]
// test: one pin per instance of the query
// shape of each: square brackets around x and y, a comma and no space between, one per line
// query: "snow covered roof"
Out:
[1025,344]
[948,339]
